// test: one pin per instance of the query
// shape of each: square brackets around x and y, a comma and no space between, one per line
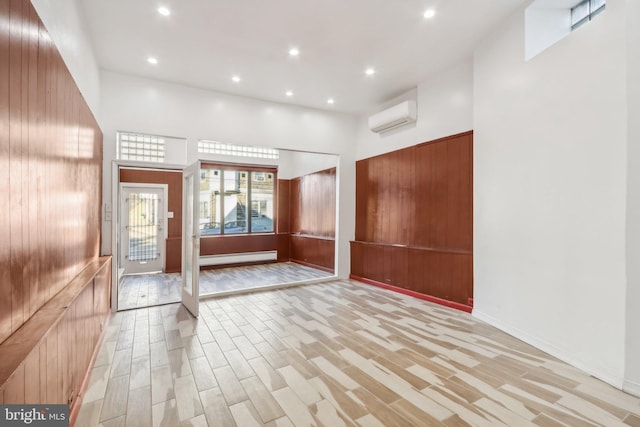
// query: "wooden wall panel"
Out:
[443,213]
[313,204]
[313,214]
[283,215]
[5,196]
[52,353]
[313,251]
[385,197]
[230,244]
[414,219]
[50,165]
[284,247]
[174,255]
[173,179]
[283,206]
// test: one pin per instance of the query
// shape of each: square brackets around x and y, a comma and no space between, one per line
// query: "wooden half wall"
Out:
[414,220]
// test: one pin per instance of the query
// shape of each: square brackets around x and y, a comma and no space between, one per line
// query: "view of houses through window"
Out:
[236,201]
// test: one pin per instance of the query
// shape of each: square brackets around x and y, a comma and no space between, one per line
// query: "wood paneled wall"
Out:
[313,219]
[283,226]
[50,170]
[173,263]
[305,224]
[313,204]
[46,361]
[233,244]
[414,219]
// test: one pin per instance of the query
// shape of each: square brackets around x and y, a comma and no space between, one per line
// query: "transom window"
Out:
[226,149]
[236,200]
[141,147]
[586,11]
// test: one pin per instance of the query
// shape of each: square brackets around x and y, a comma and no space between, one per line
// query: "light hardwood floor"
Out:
[333,354]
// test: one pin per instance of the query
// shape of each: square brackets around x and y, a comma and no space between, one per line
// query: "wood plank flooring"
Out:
[333,354]
[145,290]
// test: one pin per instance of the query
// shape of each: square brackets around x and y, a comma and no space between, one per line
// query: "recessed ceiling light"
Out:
[164,11]
[429,13]
[289,93]
[236,79]
[294,51]
[152,60]
[330,101]
[369,71]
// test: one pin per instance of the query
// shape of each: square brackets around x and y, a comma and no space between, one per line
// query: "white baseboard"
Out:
[551,349]
[631,387]
[238,258]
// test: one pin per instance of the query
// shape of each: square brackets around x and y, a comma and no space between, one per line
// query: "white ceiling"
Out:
[203,43]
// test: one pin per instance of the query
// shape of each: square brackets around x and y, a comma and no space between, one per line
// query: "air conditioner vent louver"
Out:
[396,116]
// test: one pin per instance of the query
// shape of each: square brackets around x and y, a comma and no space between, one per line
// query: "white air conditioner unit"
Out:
[391,118]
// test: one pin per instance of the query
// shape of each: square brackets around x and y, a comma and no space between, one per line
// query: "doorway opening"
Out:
[279,231]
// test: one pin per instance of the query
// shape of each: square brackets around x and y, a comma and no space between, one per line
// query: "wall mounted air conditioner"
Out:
[391,118]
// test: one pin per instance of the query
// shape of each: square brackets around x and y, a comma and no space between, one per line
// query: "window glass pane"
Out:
[262,202]
[597,4]
[215,147]
[209,202]
[579,13]
[146,148]
[235,201]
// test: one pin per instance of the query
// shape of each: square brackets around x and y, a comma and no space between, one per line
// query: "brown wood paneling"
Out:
[5,196]
[48,358]
[229,244]
[441,274]
[16,144]
[51,164]
[313,251]
[52,180]
[414,219]
[295,205]
[174,255]
[283,206]
[362,201]
[313,212]
[14,389]
[283,245]
[313,204]
[445,183]
[173,179]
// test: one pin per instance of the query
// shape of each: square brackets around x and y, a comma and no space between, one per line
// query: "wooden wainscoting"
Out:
[445,276]
[414,220]
[48,359]
[243,243]
[313,251]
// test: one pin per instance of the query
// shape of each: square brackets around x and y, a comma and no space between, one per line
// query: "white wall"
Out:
[150,106]
[632,383]
[445,107]
[306,163]
[550,191]
[65,23]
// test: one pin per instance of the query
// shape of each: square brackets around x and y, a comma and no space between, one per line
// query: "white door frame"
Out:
[190,287]
[165,223]
[111,214]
